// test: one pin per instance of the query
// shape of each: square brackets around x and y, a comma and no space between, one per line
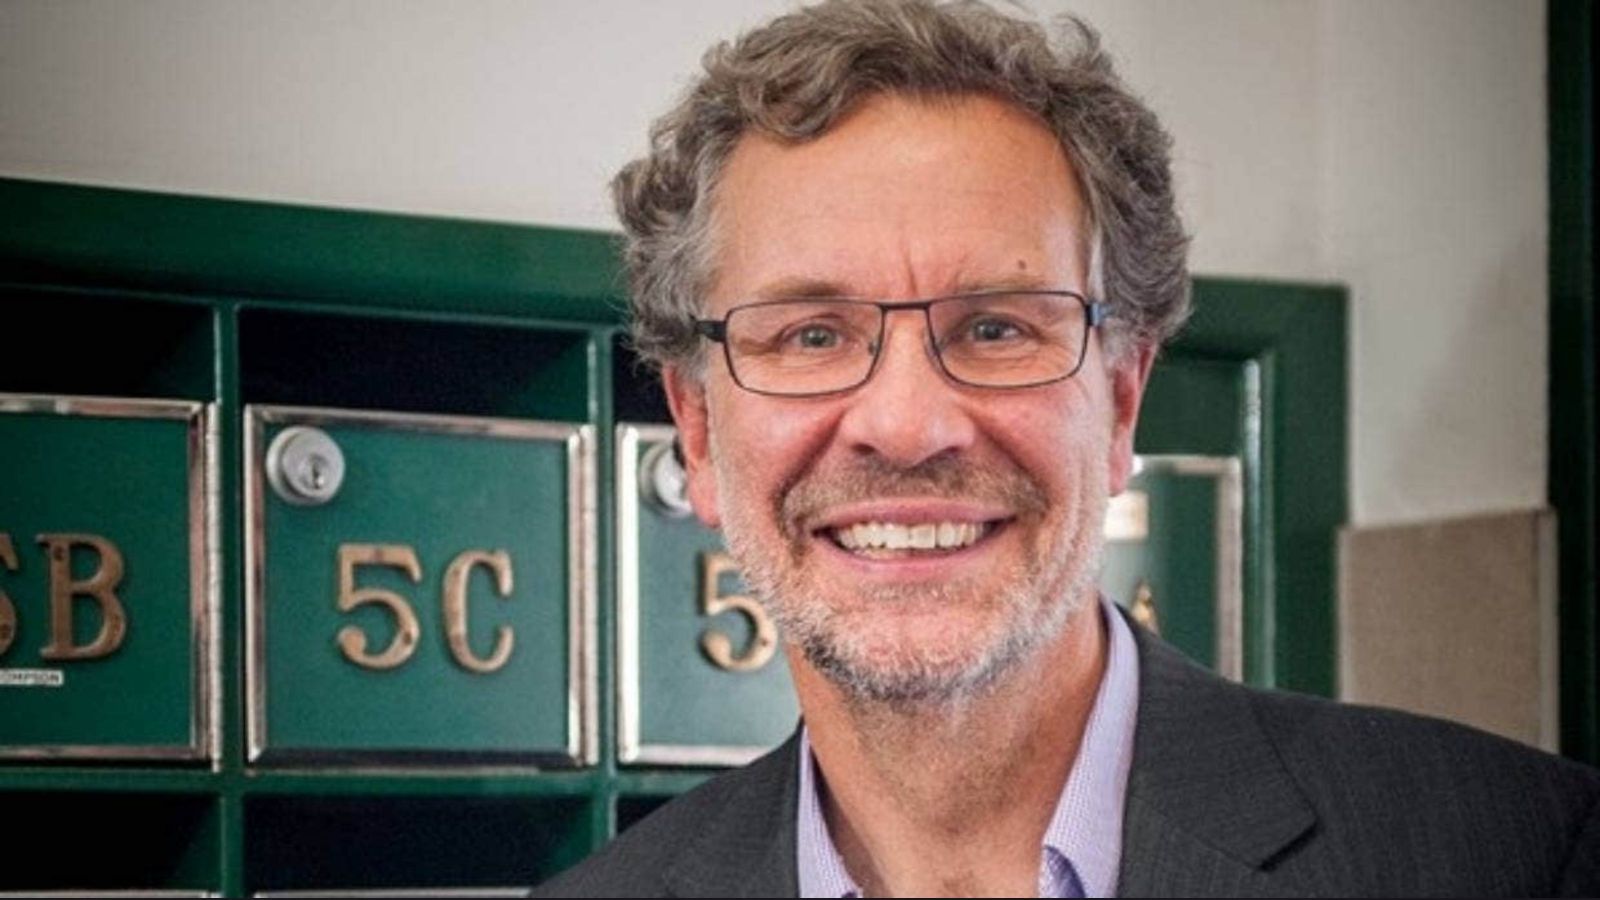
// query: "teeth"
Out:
[925,536]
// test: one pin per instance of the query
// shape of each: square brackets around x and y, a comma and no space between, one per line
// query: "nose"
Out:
[908,412]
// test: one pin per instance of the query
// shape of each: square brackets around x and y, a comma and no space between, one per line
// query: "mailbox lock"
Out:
[305,466]
[663,482]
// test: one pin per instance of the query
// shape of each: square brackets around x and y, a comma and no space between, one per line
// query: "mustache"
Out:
[873,478]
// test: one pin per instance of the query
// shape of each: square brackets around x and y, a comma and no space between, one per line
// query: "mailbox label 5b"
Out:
[100,587]
[104,647]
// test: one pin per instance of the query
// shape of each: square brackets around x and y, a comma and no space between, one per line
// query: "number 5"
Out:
[718,646]
[352,640]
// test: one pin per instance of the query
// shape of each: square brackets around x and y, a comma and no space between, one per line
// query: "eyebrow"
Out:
[803,287]
[1015,281]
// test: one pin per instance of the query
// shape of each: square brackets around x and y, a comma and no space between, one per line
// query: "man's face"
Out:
[909,199]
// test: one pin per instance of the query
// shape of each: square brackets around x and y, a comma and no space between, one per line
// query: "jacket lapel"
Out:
[1208,802]
[747,849]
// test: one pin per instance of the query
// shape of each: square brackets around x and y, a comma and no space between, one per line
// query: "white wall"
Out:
[1433,196]
[1396,147]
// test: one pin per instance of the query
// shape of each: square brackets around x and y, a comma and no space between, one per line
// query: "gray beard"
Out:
[923,686]
[1041,599]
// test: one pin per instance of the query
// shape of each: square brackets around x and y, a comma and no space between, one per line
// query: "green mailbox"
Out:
[106,530]
[700,676]
[420,589]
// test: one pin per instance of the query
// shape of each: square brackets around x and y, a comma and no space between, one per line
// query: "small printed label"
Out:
[32,677]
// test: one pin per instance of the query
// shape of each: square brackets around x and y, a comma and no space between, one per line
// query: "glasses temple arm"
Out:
[712,329]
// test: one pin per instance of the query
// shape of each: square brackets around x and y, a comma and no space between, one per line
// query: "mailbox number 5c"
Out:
[408,631]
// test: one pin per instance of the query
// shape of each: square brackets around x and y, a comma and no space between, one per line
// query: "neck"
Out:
[954,799]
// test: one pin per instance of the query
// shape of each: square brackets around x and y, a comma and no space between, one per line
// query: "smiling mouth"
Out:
[893,540]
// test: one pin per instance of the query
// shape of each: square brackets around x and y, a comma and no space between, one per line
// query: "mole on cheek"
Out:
[1022,265]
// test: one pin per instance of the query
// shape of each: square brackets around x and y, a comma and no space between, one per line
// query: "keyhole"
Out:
[316,472]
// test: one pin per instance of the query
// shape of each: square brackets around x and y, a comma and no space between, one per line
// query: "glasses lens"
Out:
[1010,339]
[803,346]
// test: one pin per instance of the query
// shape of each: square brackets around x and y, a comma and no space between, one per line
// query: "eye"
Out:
[814,336]
[990,330]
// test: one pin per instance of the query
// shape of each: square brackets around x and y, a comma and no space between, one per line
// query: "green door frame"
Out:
[1572,449]
[1290,339]
[174,244]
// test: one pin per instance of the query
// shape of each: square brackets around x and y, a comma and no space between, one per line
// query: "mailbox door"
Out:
[105,603]
[437,607]
[700,678]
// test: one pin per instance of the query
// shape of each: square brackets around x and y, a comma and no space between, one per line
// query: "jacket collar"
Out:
[1209,801]
[747,850]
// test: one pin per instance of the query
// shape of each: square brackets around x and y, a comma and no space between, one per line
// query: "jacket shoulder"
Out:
[1323,741]
[1308,796]
[1450,798]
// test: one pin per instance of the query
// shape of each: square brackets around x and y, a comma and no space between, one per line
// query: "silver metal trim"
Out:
[255,587]
[583,722]
[631,749]
[200,446]
[397,892]
[700,754]
[1229,474]
[1263,523]
[626,487]
[130,892]
[581,746]
[214,582]
[202,585]
[106,407]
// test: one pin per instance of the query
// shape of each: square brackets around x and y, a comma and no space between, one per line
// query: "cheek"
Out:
[764,445]
[1069,458]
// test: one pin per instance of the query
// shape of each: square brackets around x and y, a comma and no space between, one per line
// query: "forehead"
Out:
[904,197]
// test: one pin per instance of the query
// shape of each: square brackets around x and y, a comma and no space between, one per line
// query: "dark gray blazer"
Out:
[1234,792]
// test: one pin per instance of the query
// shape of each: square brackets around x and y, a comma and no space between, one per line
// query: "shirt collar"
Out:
[1087,825]
[821,869]
[1085,832]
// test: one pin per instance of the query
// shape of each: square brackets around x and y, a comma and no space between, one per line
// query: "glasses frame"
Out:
[1094,315]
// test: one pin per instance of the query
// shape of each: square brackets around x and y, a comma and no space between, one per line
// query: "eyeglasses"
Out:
[998,339]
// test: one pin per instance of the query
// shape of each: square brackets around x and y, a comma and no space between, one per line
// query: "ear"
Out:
[1128,376]
[686,397]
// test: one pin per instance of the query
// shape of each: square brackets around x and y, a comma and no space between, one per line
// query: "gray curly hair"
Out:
[798,74]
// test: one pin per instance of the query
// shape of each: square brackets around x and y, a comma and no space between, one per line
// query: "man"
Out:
[937,257]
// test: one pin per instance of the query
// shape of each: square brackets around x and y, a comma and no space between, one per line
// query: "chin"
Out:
[930,658]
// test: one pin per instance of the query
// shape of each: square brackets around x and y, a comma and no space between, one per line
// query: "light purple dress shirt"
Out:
[1083,844]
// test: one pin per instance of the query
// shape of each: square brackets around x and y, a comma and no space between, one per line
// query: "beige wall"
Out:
[1455,618]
